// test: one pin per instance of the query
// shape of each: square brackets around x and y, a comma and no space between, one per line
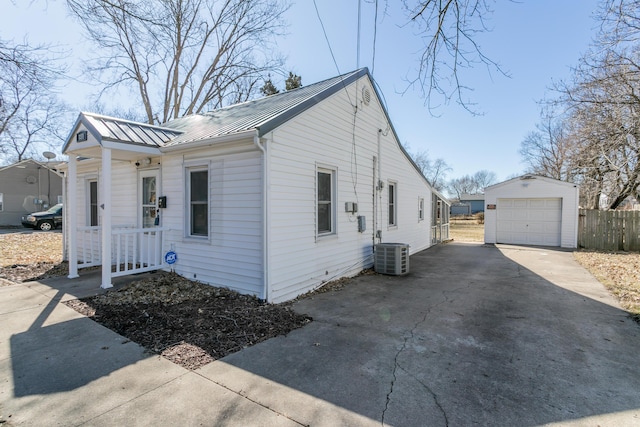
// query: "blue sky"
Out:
[535,41]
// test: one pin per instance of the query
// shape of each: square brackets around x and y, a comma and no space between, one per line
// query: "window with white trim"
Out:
[1,202]
[198,201]
[393,203]
[421,209]
[325,201]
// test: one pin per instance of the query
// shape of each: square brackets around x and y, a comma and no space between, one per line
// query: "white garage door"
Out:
[529,221]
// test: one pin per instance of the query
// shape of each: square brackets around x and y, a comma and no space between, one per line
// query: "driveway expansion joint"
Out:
[244,396]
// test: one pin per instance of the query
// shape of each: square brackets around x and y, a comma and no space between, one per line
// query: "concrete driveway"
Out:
[475,335]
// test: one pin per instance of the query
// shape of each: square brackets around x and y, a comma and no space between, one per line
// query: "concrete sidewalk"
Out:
[474,335]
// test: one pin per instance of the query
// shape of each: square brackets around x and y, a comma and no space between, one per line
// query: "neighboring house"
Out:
[532,210]
[458,209]
[475,202]
[272,197]
[27,186]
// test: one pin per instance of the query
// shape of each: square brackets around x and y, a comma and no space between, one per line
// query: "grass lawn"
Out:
[467,230]
[619,272]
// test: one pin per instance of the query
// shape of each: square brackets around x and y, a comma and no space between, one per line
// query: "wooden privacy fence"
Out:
[609,230]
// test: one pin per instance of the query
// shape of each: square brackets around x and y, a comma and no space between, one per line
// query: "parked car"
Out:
[45,220]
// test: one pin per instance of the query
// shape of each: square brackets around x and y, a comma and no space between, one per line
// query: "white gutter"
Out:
[265,211]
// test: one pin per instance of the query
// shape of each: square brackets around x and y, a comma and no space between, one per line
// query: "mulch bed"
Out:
[187,322]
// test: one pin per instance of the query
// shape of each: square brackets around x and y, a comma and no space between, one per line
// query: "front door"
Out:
[148,192]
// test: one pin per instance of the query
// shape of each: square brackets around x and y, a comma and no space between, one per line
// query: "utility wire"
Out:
[375,36]
[324,31]
[358,36]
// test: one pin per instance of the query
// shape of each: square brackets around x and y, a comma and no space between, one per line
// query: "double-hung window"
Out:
[393,204]
[1,202]
[198,201]
[325,183]
[420,209]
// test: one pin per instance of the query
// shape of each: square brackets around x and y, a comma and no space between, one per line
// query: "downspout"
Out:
[65,220]
[265,258]
[378,233]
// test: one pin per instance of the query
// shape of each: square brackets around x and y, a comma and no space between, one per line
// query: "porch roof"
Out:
[114,129]
[130,139]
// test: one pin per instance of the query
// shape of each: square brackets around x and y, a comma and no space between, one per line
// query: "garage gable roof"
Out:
[529,178]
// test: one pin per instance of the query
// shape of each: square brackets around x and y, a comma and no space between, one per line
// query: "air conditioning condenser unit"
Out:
[391,258]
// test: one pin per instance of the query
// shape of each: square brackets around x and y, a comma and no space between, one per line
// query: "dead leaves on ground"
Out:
[32,248]
[619,272]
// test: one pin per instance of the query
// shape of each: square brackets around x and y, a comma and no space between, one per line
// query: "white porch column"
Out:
[106,218]
[70,210]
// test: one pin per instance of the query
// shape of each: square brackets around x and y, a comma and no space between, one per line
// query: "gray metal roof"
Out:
[114,129]
[263,115]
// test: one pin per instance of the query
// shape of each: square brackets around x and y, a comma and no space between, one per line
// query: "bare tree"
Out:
[30,112]
[483,179]
[434,170]
[462,185]
[548,150]
[604,100]
[182,56]
[471,184]
[449,29]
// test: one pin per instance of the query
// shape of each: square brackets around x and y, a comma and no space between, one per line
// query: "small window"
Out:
[93,203]
[198,196]
[393,204]
[1,202]
[421,209]
[326,201]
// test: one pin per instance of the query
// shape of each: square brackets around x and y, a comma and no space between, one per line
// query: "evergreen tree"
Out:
[268,88]
[293,81]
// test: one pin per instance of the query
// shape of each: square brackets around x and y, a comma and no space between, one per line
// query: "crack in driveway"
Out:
[448,296]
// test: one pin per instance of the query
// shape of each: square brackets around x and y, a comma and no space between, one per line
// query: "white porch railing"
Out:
[133,250]
[439,233]
[89,246]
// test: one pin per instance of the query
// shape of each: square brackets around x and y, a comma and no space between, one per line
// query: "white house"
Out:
[532,210]
[272,197]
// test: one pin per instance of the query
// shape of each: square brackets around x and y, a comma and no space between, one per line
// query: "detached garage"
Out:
[532,210]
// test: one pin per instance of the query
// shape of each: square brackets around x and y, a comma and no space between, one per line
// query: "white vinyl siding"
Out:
[232,256]
[299,260]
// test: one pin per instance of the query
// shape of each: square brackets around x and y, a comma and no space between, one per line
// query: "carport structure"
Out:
[532,210]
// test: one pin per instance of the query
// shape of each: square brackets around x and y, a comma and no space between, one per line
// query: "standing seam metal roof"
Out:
[264,114]
[111,128]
